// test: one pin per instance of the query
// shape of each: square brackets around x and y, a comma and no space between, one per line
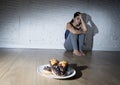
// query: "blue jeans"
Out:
[74,42]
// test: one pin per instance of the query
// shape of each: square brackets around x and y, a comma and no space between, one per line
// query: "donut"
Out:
[47,70]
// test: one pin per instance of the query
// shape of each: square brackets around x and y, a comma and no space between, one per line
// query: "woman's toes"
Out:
[83,54]
[77,53]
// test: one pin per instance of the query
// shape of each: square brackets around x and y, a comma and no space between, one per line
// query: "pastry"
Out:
[53,62]
[47,70]
[63,65]
[56,67]
[59,68]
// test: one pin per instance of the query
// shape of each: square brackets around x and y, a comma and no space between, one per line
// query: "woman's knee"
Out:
[82,36]
[73,35]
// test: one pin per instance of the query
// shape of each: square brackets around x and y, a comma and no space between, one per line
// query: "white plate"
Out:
[70,73]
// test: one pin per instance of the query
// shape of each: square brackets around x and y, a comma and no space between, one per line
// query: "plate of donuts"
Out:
[45,70]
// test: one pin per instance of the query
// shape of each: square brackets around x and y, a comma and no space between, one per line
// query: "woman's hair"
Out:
[75,15]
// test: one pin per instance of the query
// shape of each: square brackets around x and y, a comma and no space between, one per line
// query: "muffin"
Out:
[54,66]
[63,65]
[53,62]
[58,68]
[61,68]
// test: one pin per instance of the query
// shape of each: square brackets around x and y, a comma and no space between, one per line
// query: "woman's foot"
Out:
[83,54]
[76,52]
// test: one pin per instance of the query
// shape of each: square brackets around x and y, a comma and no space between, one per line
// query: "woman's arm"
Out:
[72,30]
[83,25]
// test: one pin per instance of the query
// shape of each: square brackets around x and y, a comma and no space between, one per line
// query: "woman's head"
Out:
[76,18]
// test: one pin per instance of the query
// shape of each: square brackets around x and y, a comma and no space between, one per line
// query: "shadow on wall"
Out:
[92,31]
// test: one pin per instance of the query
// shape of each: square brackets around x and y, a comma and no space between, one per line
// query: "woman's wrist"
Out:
[83,32]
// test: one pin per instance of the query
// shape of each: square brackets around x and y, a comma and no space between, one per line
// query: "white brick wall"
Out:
[41,23]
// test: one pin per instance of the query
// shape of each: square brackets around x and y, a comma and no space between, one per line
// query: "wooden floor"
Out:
[19,67]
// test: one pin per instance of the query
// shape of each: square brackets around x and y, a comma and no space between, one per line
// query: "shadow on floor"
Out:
[92,30]
[78,71]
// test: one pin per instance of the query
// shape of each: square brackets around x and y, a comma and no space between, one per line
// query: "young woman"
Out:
[74,35]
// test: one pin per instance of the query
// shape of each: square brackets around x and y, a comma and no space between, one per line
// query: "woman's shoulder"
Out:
[69,24]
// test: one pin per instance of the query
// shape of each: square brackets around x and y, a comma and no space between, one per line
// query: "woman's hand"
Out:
[81,16]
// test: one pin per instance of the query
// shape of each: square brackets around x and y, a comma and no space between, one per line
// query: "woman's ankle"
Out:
[76,52]
[82,52]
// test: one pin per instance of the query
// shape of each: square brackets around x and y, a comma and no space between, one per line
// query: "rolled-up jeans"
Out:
[74,42]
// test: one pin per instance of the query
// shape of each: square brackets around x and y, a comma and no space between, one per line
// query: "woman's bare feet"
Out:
[76,52]
[83,54]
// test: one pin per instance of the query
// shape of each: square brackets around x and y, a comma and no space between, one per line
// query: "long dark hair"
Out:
[75,15]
